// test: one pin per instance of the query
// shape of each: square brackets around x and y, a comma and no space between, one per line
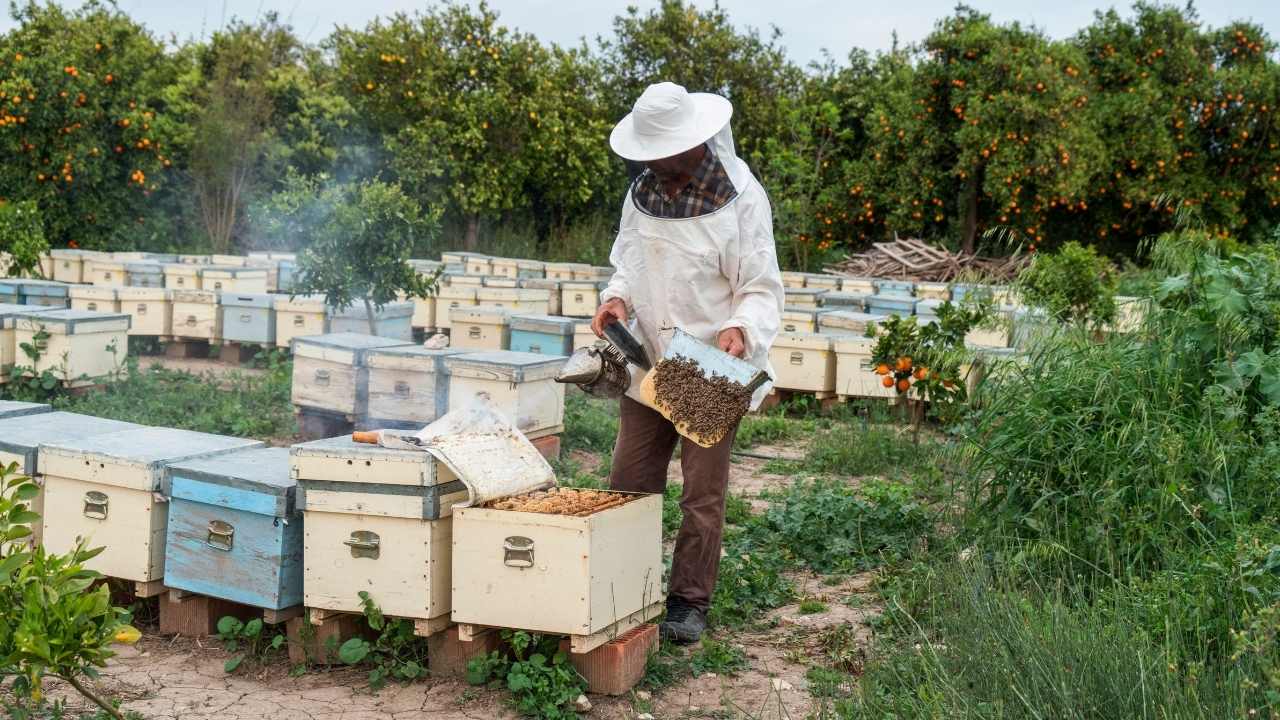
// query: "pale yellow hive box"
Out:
[804,297]
[528,301]
[803,320]
[241,280]
[803,361]
[583,335]
[497,281]
[196,316]
[151,310]
[822,282]
[531,269]
[551,290]
[228,260]
[933,291]
[182,276]
[504,267]
[596,273]
[68,265]
[9,350]
[855,375]
[564,271]
[474,281]
[521,385]
[480,327]
[94,299]
[77,346]
[271,265]
[106,272]
[996,332]
[858,285]
[452,257]
[424,311]
[378,520]
[478,265]
[300,316]
[46,267]
[452,296]
[110,489]
[792,279]
[847,322]
[580,298]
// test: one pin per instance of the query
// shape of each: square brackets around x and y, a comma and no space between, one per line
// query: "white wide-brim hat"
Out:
[667,120]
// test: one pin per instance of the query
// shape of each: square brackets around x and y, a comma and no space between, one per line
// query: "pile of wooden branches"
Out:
[916,260]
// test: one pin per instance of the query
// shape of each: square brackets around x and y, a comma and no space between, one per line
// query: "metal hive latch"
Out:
[364,544]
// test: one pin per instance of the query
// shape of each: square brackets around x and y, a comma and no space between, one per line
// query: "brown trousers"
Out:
[640,458]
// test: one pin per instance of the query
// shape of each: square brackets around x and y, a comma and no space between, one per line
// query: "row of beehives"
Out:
[319,522]
[388,383]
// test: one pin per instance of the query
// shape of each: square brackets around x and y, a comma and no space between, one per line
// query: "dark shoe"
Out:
[684,624]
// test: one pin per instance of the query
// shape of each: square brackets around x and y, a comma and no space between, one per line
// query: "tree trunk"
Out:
[969,203]
[471,240]
[368,309]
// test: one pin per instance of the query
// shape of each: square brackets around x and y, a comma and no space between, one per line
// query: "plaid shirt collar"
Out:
[708,190]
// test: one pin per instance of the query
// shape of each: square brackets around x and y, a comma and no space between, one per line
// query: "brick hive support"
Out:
[447,656]
[615,667]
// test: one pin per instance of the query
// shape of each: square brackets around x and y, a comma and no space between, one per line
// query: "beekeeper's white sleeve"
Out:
[750,262]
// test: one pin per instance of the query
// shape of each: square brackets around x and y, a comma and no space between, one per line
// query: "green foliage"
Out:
[235,403]
[50,383]
[397,653]
[1074,285]
[54,622]
[589,423]
[827,683]
[751,580]
[812,607]
[542,682]
[717,656]
[857,448]
[22,240]
[930,358]
[237,635]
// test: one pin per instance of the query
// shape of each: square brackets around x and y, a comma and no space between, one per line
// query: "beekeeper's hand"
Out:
[732,341]
[614,310]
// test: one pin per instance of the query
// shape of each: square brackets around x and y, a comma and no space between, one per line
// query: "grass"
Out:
[862,448]
[717,656]
[812,607]
[589,423]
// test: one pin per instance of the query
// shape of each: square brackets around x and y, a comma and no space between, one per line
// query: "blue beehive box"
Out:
[891,305]
[394,320]
[148,274]
[8,291]
[46,293]
[895,288]
[248,318]
[234,529]
[15,408]
[542,334]
[844,300]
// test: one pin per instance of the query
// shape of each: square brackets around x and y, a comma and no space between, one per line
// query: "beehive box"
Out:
[480,327]
[1130,313]
[8,291]
[597,273]
[960,292]
[378,520]
[195,315]
[77,346]
[552,290]
[22,435]
[804,297]
[286,275]
[860,285]
[996,332]
[142,256]
[542,334]
[150,310]
[8,347]
[43,293]
[17,408]
[475,281]
[393,320]
[563,271]
[234,530]
[1030,326]
[531,269]
[329,371]
[933,291]
[68,265]
[228,260]
[844,322]
[844,301]
[271,266]
[106,272]
[855,375]
[494,281]
[583,335]
[895,288]
[792,279]
[111,489]
[452,257]
[424,311]
[144,274]
[927,310]
[408,386]
[567,574]
[300,316]
[46,266]
[579,298]
[95,299]
[822,282]
[449,297]
[891,305]
[248,318]
[799,320]
[521,385]
[804,362]
[194,259]
[233,279]
[181,276]
[476,264]
[529,301]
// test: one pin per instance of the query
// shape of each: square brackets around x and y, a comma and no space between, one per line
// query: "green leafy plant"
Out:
[810,606]
[538,674]
[22,240]
[246,639]
[397,653]
[1074,285]
[717,656]
[56,619]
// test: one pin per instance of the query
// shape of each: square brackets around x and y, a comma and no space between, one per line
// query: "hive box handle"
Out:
[517,552]
[95,505]
[322,378]
[221,535]
[797,358]
[364,544]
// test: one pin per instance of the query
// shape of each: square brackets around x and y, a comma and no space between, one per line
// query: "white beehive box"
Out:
[495,281]
[558,574]
[480,327]
[424,311]
[182,276]
[234,279]
[792,279]
[860,285]
[527,301]
[804,297]
[452,257]
[521,385]
[106,272]
[452,296]
[564,271]
[8,347]
[933,291]
[583,335]
[110,489]
[855,375]
[94,299]
[408,386]
[847,322]
[804,320]
[377,520]
[478,265]
[804,362]
[151,310]
[822,282]
[552,290]
[531,269]
[596,273]
[300,316]
[329,371]
[272,266]
[228,260]
[580,298]
[196,316]
[79,347]
[504,267]
[464,280]
[393,320]
[68,265]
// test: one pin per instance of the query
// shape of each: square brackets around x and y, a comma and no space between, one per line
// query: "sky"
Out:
[808,26]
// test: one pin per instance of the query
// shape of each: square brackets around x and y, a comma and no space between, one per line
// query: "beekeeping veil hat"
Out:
[667,120]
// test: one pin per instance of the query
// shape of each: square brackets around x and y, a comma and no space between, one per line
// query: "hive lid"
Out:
[929,307]
[852,344]
[584,285]
[531,264]
[848,320]
[357,311]
[844,299]
[424,359]
[24,434]
[67,253]
[550,324]
[540,283]
[356,466]
[806,292]
[144,267]
[16,408]
[891,302]
[93,292]
[320,346]
[71,322]
[499,282]
[566,266]
[194,259]
[262,471]
[198,297]
[39,288]
[147,449]
[191,269]
[803,341]
[248,300]
[483,314]
[459,292]
[300,303]
[798,314]
[143,293]
[507,365]
[222,271]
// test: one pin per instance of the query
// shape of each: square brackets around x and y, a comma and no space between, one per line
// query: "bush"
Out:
[1074,285]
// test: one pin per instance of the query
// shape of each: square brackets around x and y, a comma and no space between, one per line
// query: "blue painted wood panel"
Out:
[248,324]
[541,343]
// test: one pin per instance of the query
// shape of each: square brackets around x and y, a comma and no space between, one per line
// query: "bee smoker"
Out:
[601,369]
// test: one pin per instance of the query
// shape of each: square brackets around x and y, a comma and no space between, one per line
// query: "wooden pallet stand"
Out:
[580,644]
[826,400]
[182,348]
[192,615]
[237,353]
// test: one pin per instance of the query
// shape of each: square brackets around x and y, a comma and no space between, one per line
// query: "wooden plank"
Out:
[148,589]
[319,615]
[431,626]
[468,632]
[274,617]
[579,644]
[176,595]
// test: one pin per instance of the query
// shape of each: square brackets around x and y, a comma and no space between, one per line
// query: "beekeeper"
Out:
[694,251]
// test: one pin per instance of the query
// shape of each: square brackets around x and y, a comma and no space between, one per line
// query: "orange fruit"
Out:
[904,385]
[886,381]
[882,369]
[904,364]
[921,373]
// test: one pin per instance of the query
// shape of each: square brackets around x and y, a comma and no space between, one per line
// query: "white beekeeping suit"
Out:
[702,274]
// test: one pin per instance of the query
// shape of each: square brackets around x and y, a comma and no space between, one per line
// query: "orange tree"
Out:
[928,358]
[82,121]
